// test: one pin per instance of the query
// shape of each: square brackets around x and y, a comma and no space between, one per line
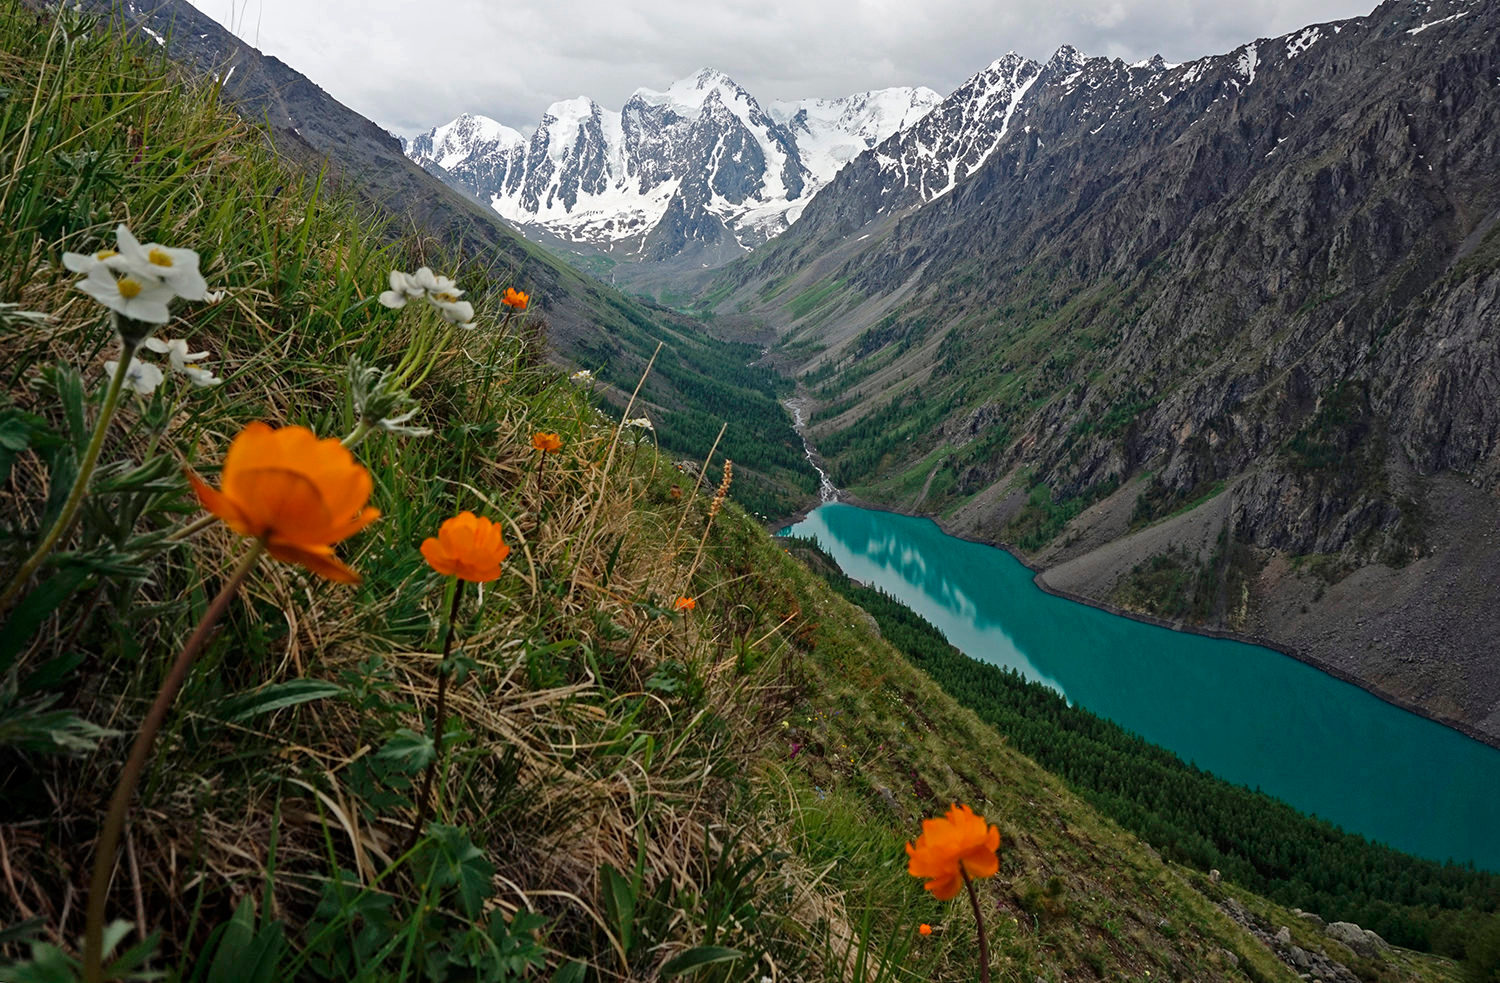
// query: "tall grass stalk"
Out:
[119,804]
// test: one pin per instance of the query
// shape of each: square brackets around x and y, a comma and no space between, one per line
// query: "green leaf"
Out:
[697,958]
[242,707]
[22,931]
[619,903]
[35,609]
[69,386]
[244,955]
[457,863]
[18,432]
[51,673]
[30,726]
[408,751]
[573,972]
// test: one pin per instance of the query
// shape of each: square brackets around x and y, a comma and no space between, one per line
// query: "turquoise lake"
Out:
[1248,714]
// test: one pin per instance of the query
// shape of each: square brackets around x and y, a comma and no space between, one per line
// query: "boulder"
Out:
[1351,935]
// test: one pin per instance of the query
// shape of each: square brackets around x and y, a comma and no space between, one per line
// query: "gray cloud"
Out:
[411,66]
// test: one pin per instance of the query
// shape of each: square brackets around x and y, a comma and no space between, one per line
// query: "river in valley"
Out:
[1248,714]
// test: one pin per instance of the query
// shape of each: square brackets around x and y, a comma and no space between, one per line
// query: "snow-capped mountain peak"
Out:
[831,132]
[700,168]
[449,145]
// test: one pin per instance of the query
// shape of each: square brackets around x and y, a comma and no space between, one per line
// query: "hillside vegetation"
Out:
[629,786]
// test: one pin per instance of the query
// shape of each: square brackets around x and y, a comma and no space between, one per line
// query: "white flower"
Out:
[582,376]
[137,297]
[177,353]
[177,268]
[141,377]
[441,291]
[85,262]
[433,284]
[460,312]
[641,422]
[402,290]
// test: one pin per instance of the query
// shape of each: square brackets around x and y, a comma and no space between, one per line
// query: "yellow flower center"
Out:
[159,257]
[447,298]
[128,288]
[104,254]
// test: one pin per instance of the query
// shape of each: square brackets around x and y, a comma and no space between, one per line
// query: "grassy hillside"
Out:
[630,788]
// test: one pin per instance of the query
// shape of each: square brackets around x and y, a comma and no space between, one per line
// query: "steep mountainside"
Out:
[691,177]
[697,381]
[1215,342]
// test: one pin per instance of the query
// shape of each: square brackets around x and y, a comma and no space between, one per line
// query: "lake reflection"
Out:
[1246,713]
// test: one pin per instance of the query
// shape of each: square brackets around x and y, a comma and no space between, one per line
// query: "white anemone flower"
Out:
[177,353]
[460,312]
[135,296]
[582,377]
[402,290]
[640,423]
[423,283]
[141,377]
[434,284]
[86,262]
[177,268]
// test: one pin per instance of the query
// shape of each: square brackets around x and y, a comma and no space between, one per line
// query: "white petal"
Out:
[200,377]
[157,345]
[393,298]
[126,241]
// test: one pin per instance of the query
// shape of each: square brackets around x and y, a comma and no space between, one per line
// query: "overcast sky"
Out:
[410,66]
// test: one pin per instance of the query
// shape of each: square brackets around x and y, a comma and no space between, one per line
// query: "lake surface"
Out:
[1248,714]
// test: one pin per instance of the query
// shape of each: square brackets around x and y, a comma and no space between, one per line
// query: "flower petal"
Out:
[317,558]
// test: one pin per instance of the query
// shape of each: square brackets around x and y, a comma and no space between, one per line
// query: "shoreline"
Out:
[1291,652]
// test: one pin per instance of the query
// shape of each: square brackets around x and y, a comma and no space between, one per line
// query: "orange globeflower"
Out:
[924,929]
[297,494]
[685,604]
[467,546]
[953,845]
[545,442]
[514,298]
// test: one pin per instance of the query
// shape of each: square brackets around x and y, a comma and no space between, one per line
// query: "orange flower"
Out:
[953,845]
[296,493]
[468,547]
[514,298]
[545,442]
[924,929]
[685,604]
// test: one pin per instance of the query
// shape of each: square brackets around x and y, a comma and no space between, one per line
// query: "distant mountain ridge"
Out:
[698,174]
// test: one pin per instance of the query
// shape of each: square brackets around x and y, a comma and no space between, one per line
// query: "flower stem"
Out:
[984,946]
[80,483]
[540,467]
[441,720]
[114,822]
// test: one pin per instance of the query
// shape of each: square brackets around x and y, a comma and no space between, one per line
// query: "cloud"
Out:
[410,68]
